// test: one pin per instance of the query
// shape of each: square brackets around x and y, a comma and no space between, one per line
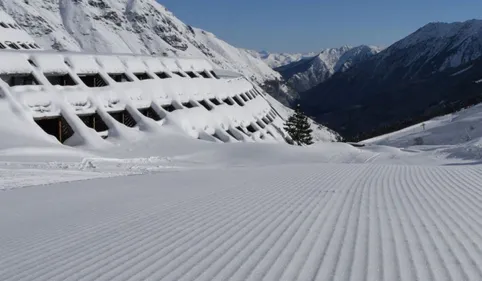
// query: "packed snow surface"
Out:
[176,208]
[291,222]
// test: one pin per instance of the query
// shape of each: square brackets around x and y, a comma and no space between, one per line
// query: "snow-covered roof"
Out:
[196,105]
[83,64]
[50,63]
[11,63]
[134,63]
[154,64]
[111,64]
[194,64]
[170,64]
[201,107]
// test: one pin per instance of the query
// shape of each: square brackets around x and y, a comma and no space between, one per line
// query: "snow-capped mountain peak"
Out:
[458,43]
[431,72]
[355,55]
[441,31]
[305,74]
[330,57]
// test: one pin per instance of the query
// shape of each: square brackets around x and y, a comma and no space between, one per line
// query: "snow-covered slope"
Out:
[140,88]
[82,99]
[200,211]
[140,26]
[355,55]
[418,71]
[275,60]
[157,205]
[459,134]
[440,45]
[456,128]
[320,132]
[305,74]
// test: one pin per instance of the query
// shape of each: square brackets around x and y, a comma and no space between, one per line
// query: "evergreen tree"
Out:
[299,128]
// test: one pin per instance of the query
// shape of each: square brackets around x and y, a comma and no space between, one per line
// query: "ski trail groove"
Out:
[340,222]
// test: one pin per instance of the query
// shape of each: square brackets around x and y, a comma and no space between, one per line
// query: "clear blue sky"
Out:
[311,25]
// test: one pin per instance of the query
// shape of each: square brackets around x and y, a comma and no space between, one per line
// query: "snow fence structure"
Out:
[81,98]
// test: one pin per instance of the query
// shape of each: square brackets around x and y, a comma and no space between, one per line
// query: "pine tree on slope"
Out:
[299,128]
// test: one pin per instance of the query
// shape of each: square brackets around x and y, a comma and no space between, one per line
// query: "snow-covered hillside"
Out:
[99,100]
[305,74]
[417,71]
[126,26]
[440,45]
[143,89]
[355,55]
[459,135]
[154,203]
[275,60]
[320,132]
[179,209]
[151,202]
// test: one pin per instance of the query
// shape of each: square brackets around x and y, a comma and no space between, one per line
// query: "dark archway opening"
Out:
[124,117]
[150,113]
[92,80]
[95,122]
[22,79]
[251,129]
[60,79]
[120,77]
[142,76]
[57,127]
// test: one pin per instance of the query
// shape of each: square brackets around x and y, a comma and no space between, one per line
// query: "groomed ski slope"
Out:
[460,127]
[269,222]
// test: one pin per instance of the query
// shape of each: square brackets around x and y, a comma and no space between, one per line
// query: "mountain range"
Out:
[428,73]
[135,26]
[304,74]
